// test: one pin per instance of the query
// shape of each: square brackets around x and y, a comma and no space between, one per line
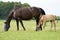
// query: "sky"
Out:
[49,6]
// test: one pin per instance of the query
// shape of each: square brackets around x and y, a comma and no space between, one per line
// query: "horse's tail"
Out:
[42,11]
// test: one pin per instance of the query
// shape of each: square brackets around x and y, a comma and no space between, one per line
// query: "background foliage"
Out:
[5,7]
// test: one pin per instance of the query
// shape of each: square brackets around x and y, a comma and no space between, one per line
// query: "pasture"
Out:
[30,33]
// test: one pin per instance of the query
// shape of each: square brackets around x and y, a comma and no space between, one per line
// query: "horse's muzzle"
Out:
[5,28]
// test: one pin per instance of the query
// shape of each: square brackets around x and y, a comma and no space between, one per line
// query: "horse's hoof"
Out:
[35,30]
[17,30]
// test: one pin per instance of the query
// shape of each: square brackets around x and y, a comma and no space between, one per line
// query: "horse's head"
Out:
[6,26]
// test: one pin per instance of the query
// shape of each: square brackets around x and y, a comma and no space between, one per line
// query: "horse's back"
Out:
[27,12]
[24,13]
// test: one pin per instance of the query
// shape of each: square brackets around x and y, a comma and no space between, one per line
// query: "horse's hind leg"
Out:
[22,24]
[17,21]
[36,24]
[37,21]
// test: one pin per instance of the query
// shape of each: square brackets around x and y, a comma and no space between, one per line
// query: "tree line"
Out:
[5,8]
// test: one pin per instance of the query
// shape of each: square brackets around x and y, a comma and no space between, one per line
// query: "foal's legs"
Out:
[44,24]
[51,24]
[22,24]
[54,25]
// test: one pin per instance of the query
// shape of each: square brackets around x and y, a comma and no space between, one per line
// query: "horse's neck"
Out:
[8,21]
[9,17]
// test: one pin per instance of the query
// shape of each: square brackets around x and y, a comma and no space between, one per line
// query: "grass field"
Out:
[30,33]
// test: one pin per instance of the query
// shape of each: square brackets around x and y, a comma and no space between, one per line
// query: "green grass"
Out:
[30,33]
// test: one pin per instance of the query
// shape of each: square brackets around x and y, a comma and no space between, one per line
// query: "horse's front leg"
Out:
[22,24]
[17,21]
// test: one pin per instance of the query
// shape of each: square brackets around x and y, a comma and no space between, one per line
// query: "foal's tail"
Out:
[56,19]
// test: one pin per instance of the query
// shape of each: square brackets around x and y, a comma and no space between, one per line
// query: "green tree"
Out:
[6,7]
[17,4]
[25,5]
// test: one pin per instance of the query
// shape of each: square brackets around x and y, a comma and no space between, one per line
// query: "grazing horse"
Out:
[21,13]
[46,18]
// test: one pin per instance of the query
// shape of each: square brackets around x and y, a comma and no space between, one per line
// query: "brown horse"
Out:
[46,18]
[24,14]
